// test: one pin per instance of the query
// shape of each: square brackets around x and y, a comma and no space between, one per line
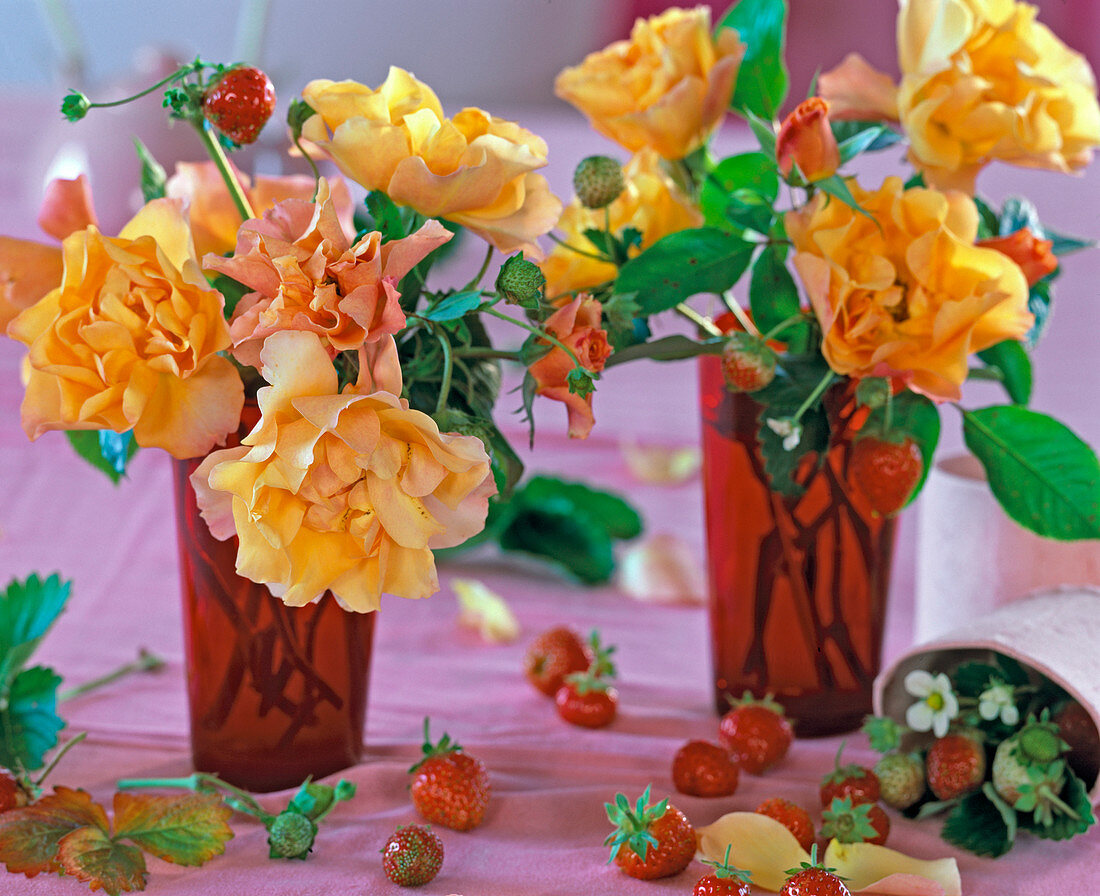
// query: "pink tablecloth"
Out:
[544,831]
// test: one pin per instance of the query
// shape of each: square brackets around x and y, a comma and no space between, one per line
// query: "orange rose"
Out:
[130,340]
[343,491]
[307,275]
[650,202]
[1032,255]
[578,327]
[902,291]
[806,140]
[667,87]
[214,218]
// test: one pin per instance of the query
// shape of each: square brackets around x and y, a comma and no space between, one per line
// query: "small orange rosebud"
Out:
[806,140]
[1032,255]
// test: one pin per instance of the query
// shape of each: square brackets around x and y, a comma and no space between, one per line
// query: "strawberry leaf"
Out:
[92,856]
[187,829]
[27,610]
[29,836]
[29,725]
[1075,795]
[977,826]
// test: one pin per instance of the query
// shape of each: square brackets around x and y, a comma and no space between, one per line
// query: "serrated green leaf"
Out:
[90,855]
[1042,474]
[29,836]
[1013,363]
[977,826]
[454,306]
[773,295]
[684,264]
[29,724]
[89,445]
[187,829]
[27,611]
[762,79]
[1075,795]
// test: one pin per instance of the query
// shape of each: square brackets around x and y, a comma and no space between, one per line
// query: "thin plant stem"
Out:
[180,72]
[481,273]
[198,782]
[824,384]
[72,742]
[296,138]
[542,334]
[584,252]
[221,162]
[448,371]
[739,312]
[146,662]
[703,323]
[479,352]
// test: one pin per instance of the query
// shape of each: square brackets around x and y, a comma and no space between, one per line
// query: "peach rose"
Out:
[306,275]
[1034,256]
[806,140]
[474,169]
[905,293]
[129,340]
[213,216]
[343,491]
[650,202]
[667,87]
[577,326]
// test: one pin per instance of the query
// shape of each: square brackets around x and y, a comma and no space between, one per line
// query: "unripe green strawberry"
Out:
[521,282]
[291,835]
[1028,773]
[598,181]
[748,364]
[901,778]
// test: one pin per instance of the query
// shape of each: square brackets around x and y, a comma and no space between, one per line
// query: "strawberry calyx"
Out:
[632,824]
[768,701]
[848,823]
[723,870]
[430,750]
[883,733]
[813,865]
[601,671]
[841,773]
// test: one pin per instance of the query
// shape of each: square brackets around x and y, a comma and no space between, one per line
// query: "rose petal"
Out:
[757,843]
[868,867]
[486,611]
[662,569]
[661,464]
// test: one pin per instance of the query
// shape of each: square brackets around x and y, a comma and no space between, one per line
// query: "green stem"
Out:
[58,755]
[146,662]
[598,256]
[200,782]
[819,389]
[703,323]
[782,325]
[312,165]
[739,312]
[480,273]
[477,352]
[221,162]
[448,370]
[542,334]
[181,72]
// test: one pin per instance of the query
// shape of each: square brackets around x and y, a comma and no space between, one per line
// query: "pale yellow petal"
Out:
[757,843]
[485,611]
[863,864]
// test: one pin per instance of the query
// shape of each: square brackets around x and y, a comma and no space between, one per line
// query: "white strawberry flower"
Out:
[999,699]
[937,705]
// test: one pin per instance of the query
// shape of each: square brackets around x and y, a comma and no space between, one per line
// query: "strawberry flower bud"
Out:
[806,140]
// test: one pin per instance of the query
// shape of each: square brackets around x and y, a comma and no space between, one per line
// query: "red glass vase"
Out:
[798,586]
[276,693]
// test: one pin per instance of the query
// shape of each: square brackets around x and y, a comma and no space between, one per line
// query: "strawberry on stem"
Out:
[412,856]
[449,787]
[725,880]
[886,471]
[851,780]
[748,363]
[701,768]
[955,765]
[239,103]
[649,841]
[756,733]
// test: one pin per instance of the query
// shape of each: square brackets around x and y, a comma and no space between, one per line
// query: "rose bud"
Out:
[806,140]
[1032,255]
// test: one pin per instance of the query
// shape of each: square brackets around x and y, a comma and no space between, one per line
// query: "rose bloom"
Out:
[1034,256]
[214,218]
[983,80]
[129,340]
[806,140]
[343,491]
[306,275]
[650,202]
[578,326]
[474,169]
[667,87]
[905,293]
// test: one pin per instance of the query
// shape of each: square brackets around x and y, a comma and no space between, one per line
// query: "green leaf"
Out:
[837,187]
[970,679]
[30,835]
[29,725]
[765,134]
[153,176]
[453,306]
[684,264]
[1011,360]
[386,216]
[855,137]
[919,417]
[1061,244]
[618,517]
[232,291]
[187,829]
[1075,795]
[773,295]
[1043,475]
[978,826]
[27,611]
[762,80]
[751,172]
[103,449]
[1038,303]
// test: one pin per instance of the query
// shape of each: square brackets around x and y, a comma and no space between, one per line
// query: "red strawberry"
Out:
[813,879]
[756,733]
[587,698]
[748,364]
[553,655]
[855,823]
[701,768]
[725,880]
[793,817]
[1076,728]
[239,103]
[449,787]
[860,784]
[412,856]
[13,793]
[886,472]
[649,841]
[901,776]
[954,765]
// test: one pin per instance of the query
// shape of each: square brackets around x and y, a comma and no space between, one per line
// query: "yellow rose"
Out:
[667,87]
[650,202]
[129,340]
[306,275]
[905,293]
[347,492]
[983,80]
[214,218]
[474,169]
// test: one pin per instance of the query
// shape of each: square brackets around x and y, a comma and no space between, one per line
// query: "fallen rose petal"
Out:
[903,885]
[661,464]
[662,569]
[486,611]
[757,844]
[868,868]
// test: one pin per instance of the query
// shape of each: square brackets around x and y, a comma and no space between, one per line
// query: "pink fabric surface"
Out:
[546,824]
